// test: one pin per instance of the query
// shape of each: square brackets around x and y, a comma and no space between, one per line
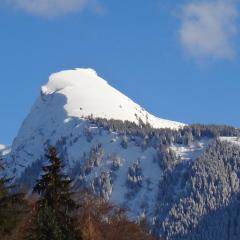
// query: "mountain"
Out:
[88,94]
[181,178]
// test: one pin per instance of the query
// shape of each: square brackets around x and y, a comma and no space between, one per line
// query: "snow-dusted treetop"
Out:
[88,94]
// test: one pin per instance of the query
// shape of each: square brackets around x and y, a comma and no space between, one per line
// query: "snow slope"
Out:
[79,94]
[233,140]
[88,94]
[192,152]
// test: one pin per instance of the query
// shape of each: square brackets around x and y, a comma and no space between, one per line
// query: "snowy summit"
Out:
[78,94]
[88,94]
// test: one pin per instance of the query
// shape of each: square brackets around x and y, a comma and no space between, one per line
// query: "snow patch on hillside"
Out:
[234,140]
[191,152]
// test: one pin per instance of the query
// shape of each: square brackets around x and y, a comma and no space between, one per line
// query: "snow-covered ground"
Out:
[191,152]
[234,140]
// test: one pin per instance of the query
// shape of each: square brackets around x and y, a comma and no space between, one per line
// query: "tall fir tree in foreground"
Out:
[55,208]
[11,204]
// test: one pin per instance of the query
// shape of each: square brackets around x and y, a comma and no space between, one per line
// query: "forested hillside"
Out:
[179,181]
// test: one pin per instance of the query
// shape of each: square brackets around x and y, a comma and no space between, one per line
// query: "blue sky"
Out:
[178,59]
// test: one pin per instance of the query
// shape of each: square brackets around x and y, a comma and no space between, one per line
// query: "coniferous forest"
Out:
[54,211]
[51,200]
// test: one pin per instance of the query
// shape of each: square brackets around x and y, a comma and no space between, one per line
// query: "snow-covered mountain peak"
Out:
[78,78]
[87,94]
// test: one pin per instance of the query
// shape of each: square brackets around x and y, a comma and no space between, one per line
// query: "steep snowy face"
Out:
[78,94]
[66,100]
[88,94]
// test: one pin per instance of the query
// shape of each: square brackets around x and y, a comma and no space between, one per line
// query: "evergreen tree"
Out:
[11,204]
[55,208]
[124,142]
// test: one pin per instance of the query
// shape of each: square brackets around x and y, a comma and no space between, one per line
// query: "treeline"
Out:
[147,136]
[54,212]
[201,201]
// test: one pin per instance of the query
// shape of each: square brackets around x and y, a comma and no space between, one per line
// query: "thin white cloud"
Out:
[208,29]
[52,8]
